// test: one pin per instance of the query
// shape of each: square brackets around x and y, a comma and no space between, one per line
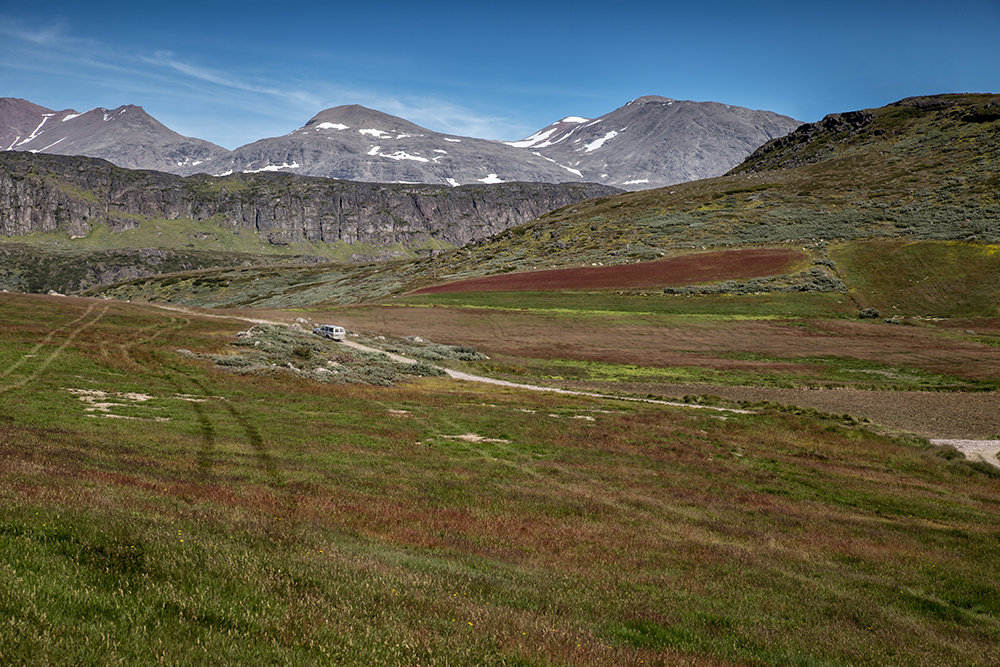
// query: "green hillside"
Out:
[921,174]
[923,169]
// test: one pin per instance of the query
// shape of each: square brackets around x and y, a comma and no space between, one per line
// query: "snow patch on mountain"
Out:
[42,150]
[109,116]
[536,138]
[332,126]
[597,143]
[38,130]
[402,155]
[551,135]
[272,167]
[571,170]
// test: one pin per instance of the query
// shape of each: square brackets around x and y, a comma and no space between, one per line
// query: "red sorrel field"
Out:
[690,269]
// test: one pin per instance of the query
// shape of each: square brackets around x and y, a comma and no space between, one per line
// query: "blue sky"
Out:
[233,73]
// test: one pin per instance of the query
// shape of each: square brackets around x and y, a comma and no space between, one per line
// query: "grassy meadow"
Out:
[159,509]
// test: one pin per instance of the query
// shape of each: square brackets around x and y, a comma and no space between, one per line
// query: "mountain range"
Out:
[650,142]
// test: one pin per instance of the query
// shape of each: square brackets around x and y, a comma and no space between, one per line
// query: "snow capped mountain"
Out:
[656,141]
[650,142]
[126,136]
[551,135]
[360,144]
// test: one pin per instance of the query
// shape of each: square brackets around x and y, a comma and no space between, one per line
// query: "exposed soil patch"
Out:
[932,414]
[986,451]
[741,264]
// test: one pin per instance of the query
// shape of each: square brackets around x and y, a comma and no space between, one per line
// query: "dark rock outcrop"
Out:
[48,193]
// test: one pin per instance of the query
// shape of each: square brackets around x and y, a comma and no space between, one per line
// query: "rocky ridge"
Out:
[48,193]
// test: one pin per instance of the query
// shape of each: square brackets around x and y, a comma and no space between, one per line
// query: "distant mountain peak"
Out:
[126,136]
[652,99]
[358,118]
[654,141]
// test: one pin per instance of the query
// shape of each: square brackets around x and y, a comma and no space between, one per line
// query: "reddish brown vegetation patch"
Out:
[691,269]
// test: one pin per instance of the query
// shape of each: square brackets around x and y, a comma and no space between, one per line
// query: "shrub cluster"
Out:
[438,352]
[813,280]
[266,348]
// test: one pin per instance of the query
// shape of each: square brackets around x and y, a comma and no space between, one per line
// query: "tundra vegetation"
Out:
[744,477]
[162,507]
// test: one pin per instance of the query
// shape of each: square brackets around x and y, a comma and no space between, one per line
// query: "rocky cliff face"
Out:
[49,193]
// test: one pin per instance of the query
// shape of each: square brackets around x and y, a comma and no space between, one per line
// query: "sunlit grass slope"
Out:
[931,278]
[157,510]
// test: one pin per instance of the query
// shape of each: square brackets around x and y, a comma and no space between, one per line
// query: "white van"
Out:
[330,331]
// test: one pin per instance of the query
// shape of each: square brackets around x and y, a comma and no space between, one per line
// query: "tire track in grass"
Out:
[206,456]
[45,341]
[282,525]
[495,329]
[176,324]
[55,353]
[253,436]
[208,429]
[206,452]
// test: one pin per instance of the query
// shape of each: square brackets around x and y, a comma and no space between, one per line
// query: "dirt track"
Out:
[937,414]
[966,421]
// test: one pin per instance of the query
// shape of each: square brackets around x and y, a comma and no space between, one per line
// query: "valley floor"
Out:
[932,414]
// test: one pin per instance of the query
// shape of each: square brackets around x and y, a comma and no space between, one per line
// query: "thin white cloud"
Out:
[88,73]
[210,75]
[449,118]
[51,35]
